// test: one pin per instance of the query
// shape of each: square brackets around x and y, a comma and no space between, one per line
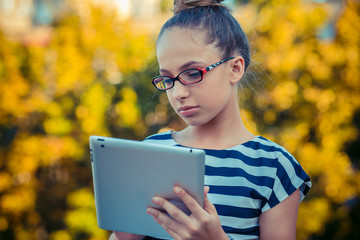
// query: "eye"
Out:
[191,75]
[167,80]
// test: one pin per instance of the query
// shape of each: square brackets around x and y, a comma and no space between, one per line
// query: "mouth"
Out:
[187,111]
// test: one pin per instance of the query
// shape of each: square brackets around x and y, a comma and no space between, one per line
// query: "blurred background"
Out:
[71,69]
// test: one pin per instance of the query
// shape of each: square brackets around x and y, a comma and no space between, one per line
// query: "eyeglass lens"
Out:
[187,77]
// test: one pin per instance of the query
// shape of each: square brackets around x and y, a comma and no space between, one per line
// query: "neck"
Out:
[224,131]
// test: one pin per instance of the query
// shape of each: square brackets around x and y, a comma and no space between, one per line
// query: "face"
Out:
[209,100]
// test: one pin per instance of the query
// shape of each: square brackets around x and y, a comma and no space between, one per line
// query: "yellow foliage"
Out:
[318,68]
[5,181]
[17,201]
[60,235]
[54,109]
[249,122]
[95,102]
[312,215]
[81,198]
[29,152]
[81,219]
[332,54]
[22,163]
[307,153]
[34,218]
[4,225]
[338,186]
[311,94]
[82,216]
[269,116]
[22,233]
[317,81]
[11,97]
[127,109]
[283,94]
[325,100]
[291,138]
[53,97]
[57,126]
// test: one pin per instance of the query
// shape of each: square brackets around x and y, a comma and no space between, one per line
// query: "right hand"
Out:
[125,236]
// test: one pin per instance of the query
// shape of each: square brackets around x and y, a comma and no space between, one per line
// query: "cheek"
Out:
[218,91]
[216,86]
[170,98]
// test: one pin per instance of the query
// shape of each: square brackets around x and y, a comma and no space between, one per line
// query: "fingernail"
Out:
[149,211]
[155,199]
[177,190]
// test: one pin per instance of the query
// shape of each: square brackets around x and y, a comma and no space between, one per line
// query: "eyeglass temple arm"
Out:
[216,64]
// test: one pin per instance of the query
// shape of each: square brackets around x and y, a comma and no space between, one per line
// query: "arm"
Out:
[279,222]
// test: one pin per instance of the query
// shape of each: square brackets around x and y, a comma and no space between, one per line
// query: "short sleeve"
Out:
[289,177]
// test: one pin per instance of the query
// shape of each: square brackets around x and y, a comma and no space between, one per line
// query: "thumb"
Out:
[206,191]
[208,206]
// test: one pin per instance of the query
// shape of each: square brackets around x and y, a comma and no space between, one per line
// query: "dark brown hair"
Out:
[213,18]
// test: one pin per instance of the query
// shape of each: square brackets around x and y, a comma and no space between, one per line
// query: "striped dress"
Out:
[247,180]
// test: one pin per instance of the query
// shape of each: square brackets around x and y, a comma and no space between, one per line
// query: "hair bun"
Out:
[180,5]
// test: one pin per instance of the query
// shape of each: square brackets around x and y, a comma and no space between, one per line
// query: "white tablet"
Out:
[127,174]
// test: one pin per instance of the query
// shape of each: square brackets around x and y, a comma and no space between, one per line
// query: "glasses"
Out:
[186,77]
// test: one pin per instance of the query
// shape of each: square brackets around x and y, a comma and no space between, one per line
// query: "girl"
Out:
[253,186]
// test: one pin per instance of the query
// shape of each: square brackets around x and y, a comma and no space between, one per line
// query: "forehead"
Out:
[179,45]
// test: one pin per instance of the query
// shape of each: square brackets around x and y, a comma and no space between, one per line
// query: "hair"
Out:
[213,18]
[222,29]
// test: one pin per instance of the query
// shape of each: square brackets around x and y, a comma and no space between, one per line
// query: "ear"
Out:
[237,69]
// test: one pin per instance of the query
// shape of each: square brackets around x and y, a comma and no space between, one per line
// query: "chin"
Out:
[195,122]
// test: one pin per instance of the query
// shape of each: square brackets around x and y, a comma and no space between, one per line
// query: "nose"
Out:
[179,91]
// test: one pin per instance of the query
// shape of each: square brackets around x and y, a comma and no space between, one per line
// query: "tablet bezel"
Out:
[128,173]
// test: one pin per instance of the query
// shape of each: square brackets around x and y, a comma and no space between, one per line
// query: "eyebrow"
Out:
[182,66]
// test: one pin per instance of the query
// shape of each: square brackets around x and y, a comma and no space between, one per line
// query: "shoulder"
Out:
[265,151]
[285,161]
[259,152]
[160,138]
[265,145]
[289,174]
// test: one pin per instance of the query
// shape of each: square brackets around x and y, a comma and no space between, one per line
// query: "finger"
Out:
[124,235]
[167,223]
[208,206]
[172,210]
[189,201]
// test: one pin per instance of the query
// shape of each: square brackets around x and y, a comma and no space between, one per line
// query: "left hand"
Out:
[203,223]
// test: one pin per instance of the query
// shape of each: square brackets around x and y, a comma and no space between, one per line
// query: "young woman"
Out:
[253,186]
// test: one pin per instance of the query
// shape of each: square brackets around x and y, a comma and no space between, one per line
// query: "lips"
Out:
[188,111]
[185,108]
